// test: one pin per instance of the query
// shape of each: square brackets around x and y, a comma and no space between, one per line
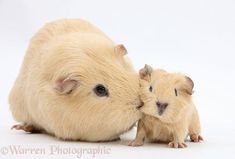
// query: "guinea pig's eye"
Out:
[100,90]
[176,92]
[150,88]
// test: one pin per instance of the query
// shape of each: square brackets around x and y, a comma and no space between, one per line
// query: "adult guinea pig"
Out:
[75,83]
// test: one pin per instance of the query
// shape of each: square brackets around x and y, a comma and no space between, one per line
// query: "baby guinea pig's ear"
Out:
[188,85]
[120,49]
[65,85]
[145,73]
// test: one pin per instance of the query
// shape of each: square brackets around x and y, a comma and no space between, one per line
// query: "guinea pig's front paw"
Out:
[136,143]
[196,138]
[174,144]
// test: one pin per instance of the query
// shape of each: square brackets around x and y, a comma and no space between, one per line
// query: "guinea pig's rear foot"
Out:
[174,144]
[196,138]
[136,142]
[116,139]
[26,127]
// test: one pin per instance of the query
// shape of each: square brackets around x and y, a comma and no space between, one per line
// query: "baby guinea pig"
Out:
[75,83]
[170,115]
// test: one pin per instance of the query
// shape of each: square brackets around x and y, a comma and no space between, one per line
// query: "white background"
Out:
[193,37]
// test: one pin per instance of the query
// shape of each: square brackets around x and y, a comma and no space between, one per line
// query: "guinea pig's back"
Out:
[53,30]
[60,27]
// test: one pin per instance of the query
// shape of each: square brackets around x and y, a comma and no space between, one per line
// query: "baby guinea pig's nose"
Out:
[161,107]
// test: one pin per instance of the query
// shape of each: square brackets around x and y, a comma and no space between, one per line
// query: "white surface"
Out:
[194,37]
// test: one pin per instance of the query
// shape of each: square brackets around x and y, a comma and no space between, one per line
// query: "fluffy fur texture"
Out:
[170,115]
[54,91]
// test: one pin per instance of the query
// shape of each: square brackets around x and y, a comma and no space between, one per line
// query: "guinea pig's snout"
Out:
[141,104]
[161,107]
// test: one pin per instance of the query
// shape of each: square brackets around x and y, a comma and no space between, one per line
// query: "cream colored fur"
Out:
[75,49]
[179,119]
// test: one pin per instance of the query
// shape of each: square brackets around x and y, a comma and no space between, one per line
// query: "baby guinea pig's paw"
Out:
[196,138]
[175,144]
[136,142]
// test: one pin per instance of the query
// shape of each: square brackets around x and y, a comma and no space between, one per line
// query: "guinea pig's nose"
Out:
[161,107]
[140,105]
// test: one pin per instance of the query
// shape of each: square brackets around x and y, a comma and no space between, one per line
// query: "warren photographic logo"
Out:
[54,150]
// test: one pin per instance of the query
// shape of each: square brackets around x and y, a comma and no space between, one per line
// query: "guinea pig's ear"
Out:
[65,85]
[120,49]
[145,73]
[188,85]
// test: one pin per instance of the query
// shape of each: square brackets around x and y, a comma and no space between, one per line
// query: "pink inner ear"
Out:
[65,85]
[120,49]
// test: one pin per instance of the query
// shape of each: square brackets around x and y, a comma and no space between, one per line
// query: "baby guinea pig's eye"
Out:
[100,90]
[150,88]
